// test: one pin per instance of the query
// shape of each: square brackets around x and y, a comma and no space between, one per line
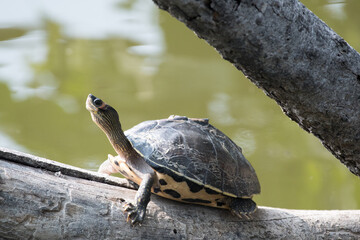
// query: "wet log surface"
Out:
[43,199]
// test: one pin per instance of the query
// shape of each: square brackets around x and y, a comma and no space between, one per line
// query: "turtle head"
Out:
[107,119]
[103,114]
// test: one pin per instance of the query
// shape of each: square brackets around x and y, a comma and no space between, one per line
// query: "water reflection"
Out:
[219,109]
[16,55]
[149,66]
[44,25]
[7,142]
[337,9]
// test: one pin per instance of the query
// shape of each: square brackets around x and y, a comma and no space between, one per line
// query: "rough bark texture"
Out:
[282,47]
[47,203]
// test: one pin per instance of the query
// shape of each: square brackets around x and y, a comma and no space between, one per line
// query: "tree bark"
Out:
[43,199]
[283,48]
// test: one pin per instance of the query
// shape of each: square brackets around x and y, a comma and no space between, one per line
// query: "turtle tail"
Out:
[242,206]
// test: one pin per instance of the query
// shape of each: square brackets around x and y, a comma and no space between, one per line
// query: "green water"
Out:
[148,66]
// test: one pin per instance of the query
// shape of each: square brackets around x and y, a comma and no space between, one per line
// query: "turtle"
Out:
[180,158]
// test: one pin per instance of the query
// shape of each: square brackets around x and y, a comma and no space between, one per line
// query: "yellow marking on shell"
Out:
[183,189]
[200,183]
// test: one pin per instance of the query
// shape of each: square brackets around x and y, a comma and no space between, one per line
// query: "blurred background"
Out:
[148,66]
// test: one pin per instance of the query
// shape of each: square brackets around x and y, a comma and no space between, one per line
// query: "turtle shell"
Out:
[194,151]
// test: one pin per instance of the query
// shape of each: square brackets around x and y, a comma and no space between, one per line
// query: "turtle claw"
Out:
[135,214]
[128,207]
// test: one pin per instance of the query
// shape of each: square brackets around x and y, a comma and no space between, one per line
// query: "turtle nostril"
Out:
[92,97]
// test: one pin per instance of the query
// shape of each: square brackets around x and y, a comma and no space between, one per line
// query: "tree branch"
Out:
[57,201]
[283,48]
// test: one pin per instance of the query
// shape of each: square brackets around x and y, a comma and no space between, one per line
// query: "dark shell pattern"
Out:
[195,150]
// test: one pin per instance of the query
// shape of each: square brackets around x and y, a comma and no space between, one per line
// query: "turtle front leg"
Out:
[106,167]
[136,212]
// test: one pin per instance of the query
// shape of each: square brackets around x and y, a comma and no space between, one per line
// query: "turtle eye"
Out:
[98,102]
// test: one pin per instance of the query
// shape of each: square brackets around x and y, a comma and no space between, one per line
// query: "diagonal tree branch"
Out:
[283,48]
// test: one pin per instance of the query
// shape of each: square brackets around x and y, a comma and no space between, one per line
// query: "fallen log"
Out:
[284,49]
[44,199]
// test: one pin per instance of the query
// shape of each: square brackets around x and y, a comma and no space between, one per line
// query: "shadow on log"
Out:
[44,199]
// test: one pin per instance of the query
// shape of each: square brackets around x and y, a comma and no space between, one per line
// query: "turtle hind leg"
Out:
[107,168]
[242,206]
